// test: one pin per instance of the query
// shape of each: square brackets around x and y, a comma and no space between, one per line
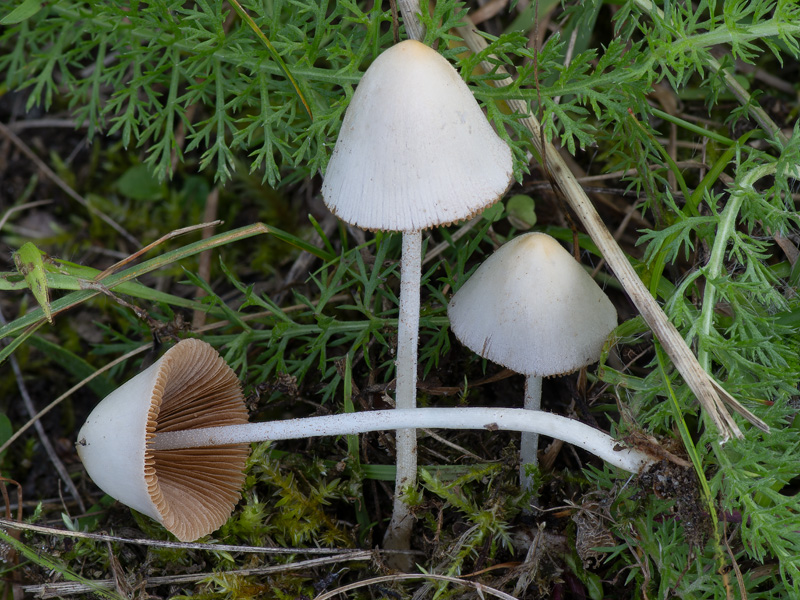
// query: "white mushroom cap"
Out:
[415,150]
[191,492]
[532,308]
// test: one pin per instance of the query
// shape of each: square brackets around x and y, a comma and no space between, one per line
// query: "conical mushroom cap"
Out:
[532,308]
[191,492]
[415,150]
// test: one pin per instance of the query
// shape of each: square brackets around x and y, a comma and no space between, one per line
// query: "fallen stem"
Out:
[101,537]
[480,588]
[68,588]
[493,419]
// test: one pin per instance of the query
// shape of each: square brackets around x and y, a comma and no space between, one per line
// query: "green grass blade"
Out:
[277,57]
[36,317]
[50,564]
[30,264]
[694,456]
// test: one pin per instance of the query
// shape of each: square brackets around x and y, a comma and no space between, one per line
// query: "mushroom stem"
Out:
[504,419]
[529,444]
[399,532]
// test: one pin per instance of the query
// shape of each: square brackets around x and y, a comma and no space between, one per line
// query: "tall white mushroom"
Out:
[414,151]
[531,307]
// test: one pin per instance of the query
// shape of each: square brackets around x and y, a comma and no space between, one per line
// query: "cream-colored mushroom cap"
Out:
[415,150]
[532,308]
[191,492]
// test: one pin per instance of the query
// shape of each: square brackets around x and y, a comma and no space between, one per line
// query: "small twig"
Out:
[172,234]
[567,60]
[99,537]
[536,83]
[395,21]
[99,287]
[770,79]
[50,174]
[46,444]
[455,236]
[45,502]
[7,500]
[683,164]
[455,447]
[487,11]
[25,206]
[119,582]
[478,587]
[10,556]
[460,389]
[736,569]
[48,123]
[58,590]
[204,267]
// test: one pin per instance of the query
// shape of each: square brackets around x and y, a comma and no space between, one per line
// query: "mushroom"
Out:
[414,151]
[172,442]
[532,308]
[191,492]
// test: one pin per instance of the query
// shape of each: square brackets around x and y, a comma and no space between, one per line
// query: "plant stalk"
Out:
[410,9]
[504,419]
[398,534]
[529,442]
[725,228]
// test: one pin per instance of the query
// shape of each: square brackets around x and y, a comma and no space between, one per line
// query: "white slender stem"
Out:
[529,444]
[399,531]
[492,419]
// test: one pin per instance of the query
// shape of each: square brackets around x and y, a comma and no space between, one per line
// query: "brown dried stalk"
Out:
[708,392]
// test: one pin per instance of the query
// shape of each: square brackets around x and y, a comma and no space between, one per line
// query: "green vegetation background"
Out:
[170,104]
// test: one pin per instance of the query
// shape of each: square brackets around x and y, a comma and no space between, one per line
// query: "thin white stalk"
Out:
[398,534]
[529,443]
[492,419]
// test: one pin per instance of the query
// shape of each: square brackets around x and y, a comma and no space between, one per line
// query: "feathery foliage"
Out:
[191,88]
